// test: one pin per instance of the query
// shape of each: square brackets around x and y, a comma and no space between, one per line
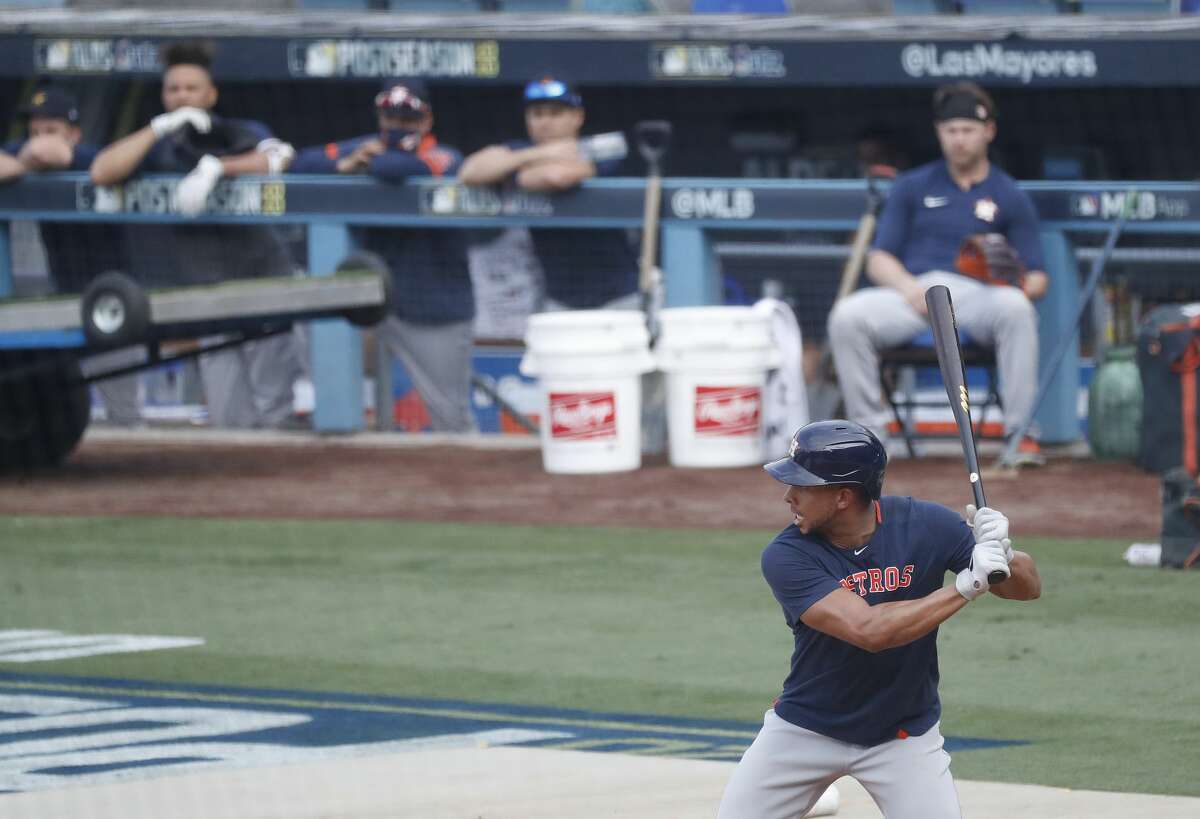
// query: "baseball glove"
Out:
[991,259]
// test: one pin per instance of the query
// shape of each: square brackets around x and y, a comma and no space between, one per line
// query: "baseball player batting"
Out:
[860,579]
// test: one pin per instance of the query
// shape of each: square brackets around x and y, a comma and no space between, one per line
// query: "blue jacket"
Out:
[429,265]
[585,268]
[77,252]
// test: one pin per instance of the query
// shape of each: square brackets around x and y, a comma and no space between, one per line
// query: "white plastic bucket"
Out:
[589,365]
[716,361]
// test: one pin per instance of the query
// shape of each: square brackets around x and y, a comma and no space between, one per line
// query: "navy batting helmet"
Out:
[833,453]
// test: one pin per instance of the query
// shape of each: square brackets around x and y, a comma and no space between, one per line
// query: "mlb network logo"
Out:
[727,411]
[577,416]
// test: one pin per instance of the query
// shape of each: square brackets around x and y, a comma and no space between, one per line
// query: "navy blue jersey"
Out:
[585,268]
[180,151]
[927,215]
[429,265]
[835,688]
[76,252]
[184,254]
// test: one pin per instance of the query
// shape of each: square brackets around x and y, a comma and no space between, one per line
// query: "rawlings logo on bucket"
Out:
[580,415]
[728,410]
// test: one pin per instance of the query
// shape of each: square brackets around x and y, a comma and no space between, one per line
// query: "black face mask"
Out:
[400,139]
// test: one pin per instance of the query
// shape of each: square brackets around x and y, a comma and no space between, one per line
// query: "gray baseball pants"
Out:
[877,318]
[787,768]
[437,358]
[250,386]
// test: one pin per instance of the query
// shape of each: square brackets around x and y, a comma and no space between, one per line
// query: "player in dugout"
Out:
[962,222]
[249,385]
[75,252]
[430,329]
[584,268]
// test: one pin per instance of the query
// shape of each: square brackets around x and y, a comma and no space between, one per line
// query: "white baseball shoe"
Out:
[828,804]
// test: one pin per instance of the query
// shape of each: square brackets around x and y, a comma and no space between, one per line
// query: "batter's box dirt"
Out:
[213,475]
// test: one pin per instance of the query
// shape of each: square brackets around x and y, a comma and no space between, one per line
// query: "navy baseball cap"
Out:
[551,89]
[52,103]
[403,97]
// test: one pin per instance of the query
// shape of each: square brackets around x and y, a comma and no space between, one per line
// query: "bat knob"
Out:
[996,577]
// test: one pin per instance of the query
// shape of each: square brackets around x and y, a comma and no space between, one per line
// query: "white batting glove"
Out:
[279,154]
[191,195]
[990,525]
[987,557]
[169,123]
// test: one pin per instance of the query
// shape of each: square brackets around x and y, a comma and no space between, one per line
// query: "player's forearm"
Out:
[555,175]
[846,616]
[46,154]
[1024,583]
[251,163]
[896,624]
[118,161]
[886,270]
[10,167]
[491,165]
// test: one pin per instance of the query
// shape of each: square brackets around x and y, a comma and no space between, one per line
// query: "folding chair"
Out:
[919,353]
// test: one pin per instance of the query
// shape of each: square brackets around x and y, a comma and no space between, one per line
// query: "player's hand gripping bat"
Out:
[954,374]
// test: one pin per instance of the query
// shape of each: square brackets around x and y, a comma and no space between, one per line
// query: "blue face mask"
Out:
[400,139]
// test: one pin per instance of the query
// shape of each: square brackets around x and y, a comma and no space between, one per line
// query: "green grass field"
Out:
[1100,674]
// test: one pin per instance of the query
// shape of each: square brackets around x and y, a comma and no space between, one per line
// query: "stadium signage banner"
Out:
[91,56]
[844,63]
[713,203]
[461,200]
[601,203]
[369,59]
[716,61]
[984,61]
[1143,206]
[157,196]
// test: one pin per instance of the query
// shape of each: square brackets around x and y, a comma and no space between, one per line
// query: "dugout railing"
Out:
[698,216]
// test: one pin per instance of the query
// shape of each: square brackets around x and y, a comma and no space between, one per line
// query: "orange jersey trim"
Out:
[436,158]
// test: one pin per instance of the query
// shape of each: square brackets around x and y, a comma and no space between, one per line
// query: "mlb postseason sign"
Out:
[370,59]
[1099,61]
[156,195]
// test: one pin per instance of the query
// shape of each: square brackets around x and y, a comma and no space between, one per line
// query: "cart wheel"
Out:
[44,408]
[115,311]
[365,260]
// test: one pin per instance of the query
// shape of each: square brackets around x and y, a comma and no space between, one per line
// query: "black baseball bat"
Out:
[954,375]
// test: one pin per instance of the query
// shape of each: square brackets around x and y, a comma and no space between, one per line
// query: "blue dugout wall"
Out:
[692,210]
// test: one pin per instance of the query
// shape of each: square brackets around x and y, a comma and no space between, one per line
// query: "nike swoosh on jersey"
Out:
[858,552]
[936,201]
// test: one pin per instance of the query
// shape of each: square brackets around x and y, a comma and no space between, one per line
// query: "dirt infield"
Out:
[208,474]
